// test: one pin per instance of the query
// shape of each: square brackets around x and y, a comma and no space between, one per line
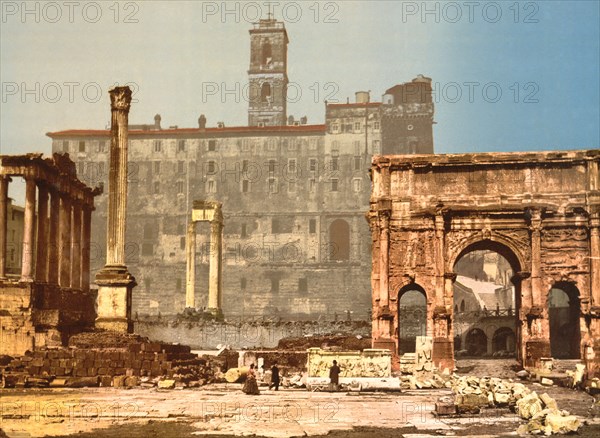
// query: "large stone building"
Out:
[295,242]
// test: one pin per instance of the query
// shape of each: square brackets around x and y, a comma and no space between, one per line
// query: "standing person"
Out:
[274,377]
[334,376]
[250,386]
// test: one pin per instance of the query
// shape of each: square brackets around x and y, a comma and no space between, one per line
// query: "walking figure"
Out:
[334,376]
[274,377]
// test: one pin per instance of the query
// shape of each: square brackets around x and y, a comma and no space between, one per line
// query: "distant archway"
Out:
[504,340]
[563,312]
[476,342]
[412,317]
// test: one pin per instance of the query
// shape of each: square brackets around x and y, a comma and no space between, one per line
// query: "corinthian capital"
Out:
[120,98]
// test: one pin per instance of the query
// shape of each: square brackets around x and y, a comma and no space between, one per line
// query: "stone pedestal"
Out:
[115,286]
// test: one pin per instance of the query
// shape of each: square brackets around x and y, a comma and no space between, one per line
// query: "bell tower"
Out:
[268,73]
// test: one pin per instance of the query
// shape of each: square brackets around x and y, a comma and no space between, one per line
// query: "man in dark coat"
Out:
[334,376]
[274,377]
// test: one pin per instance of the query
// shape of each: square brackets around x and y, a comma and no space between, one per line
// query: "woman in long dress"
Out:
[250,385]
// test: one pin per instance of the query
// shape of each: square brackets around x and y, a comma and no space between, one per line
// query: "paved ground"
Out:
[223,410]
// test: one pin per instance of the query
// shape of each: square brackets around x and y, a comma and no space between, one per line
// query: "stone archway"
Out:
[540,210]
[564,315]
[412,317]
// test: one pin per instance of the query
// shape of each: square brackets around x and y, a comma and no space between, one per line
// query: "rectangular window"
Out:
[101,146]
[291,165]
[82,146]
[335,127]
[357,148]
[312,226]
[292,145]
[212,145]
[334,184]
[312,185]
[292,185]
[157,167]
[178,285]
[356,185]
[357,126]
[271,144]
[180,167]
[275,226]
[357,162]
[243,283]
[244,232]
[180,187]
[181,146]
[312,144]
[376,126]
[147,249]
[335,164]
[156,188]
[182,243]
[65,146]
[245,145]
[157,145]
[211,167]
[302,285]
[244,166]
[245,186]
[272,185]
[271,166]
[312,164]
[211,186]
[275,285]
[376,147]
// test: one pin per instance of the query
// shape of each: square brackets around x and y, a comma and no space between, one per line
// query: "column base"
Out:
[217,313]
[115,287]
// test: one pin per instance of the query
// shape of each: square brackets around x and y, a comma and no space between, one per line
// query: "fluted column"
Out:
[595,257]
[64,246]
[28,231]
[41,265]
[117,185]
[4,180]
[86,233]
[384,242]
[76,246]
[214,274]
[54,234]
[190,285]
[115,283]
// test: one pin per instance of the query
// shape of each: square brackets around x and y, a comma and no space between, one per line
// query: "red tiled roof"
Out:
[355,105]
[163,132]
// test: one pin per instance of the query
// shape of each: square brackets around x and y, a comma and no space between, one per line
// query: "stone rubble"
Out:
[544,417]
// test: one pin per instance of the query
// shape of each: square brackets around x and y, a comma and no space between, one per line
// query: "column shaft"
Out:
[28,231]
[4,180]
[54,234]
[384,242]
[595,258]
[64,247]
[76,246]
[86,233]
[190,285]
[214,285]
[117,186]
[41,265]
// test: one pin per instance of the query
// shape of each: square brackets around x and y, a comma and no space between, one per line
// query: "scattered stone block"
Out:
[166,384]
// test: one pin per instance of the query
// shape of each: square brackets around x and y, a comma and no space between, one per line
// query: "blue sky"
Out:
[532,67]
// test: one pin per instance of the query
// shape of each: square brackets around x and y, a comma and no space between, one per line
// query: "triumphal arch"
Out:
[539,210]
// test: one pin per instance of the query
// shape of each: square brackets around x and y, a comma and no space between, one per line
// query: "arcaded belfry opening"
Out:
[564,314]
[206,211]
[412,317]
[538,210]
[484,301]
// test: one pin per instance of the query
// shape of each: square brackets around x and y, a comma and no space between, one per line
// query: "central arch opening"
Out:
[412,317]
[486,302]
